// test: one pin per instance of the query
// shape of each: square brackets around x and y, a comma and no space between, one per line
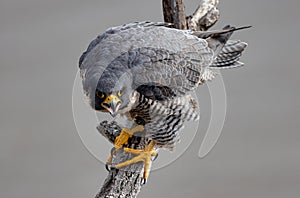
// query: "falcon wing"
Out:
[157,71]
[155,54]
[117,30]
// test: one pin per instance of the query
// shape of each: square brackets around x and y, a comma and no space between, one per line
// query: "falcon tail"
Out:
[229,55]
[225,32]
[227,52]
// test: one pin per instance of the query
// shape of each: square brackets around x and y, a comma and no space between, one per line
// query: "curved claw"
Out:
[155,157]
[108,167]
[109,160]
[143,181]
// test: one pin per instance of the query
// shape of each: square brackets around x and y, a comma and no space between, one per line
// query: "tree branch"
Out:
[180,18]
[126,182]
[168,10]
[205,16]
[174,12]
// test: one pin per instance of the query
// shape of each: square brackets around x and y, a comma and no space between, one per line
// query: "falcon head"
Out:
[112,95]
[108,102]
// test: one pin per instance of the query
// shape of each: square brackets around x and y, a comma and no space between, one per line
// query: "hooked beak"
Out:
[111,104]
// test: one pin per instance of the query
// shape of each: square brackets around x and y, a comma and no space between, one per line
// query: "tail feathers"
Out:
[229,55]
[216,33]
[217,39]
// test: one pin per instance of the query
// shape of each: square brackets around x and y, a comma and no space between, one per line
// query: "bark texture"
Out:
[127,181]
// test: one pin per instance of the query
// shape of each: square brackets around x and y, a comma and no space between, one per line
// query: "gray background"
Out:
[41,153]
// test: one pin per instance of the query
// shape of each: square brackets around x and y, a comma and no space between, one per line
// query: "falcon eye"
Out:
[100,94]
[119,93]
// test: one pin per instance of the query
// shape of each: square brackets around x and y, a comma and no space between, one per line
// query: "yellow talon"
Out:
[125,135]
[108,162]
[142,156]
[122,139]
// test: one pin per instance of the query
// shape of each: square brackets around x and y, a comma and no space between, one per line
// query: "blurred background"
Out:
[41,154]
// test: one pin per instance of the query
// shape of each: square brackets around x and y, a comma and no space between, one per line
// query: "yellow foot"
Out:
[142,156]
[121,140]
[125,135]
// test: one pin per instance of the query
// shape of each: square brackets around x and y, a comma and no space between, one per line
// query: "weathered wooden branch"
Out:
[174,12]
[127,181]
[168,10]
[205,16]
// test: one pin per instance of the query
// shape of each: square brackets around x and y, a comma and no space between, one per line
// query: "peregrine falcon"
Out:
[146,72]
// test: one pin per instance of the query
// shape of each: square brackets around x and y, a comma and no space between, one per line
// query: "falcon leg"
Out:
[142,156]
[122,139]
[125,135]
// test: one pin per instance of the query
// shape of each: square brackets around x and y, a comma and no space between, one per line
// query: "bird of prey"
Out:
[146,71]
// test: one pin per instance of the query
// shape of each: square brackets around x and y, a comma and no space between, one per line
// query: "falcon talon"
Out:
[143,181]
[125,134]
[107,167]
[155,157]
[142,156]
[108,162]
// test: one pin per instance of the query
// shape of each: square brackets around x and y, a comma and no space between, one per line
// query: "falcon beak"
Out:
[112,104]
